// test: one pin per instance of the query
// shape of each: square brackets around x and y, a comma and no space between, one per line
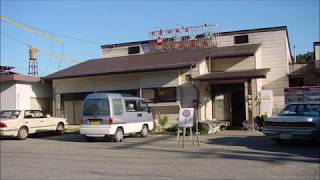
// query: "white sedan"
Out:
[21,123]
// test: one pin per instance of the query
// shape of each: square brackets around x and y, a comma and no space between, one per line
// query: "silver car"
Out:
[295,121]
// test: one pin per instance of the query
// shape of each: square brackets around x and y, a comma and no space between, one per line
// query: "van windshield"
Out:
[96,107]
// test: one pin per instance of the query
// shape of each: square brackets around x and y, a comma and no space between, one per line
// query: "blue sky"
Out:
[107,22]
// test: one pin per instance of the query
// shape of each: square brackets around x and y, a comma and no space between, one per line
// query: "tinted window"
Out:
[160,94]
[10,114]
[134,50]
[241,39]
[117,106]
[301,110]
[143,106]
[96,107]
[167,94]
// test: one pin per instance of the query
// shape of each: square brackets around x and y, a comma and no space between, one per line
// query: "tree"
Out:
[305,58]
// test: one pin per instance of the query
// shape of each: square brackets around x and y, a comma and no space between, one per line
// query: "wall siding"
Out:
[8,95]
[233,64]
[117,82]
[275,54]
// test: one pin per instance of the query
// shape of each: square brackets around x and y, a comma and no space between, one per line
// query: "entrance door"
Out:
[238,108]
[229,103]
[222,106]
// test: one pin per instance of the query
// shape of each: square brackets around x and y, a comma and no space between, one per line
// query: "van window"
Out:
[143,106]
[131,105]
[96,107]
[117,107]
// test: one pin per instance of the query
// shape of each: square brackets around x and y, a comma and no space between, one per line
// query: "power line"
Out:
[41,50]
[38,31]
[29,29]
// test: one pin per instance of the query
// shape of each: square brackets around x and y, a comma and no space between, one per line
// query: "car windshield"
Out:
[10,114]
[96,107]
[301,110]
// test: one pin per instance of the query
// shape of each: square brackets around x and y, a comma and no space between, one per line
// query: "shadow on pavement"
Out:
[266,146]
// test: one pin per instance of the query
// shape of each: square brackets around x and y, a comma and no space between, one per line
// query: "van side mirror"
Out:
[149,109]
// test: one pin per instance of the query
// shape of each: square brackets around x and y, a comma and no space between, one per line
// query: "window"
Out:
[131,106]
[241,39]
[96,107]
[157,95]
[149,95]
[301,110]
[167,94]
[295,82]
[10,114]
[143,106]
[117,107]
[134,50]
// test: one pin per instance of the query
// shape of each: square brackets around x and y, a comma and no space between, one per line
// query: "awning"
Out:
[231,75]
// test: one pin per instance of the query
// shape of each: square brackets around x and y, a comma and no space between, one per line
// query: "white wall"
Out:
[7,95]
[18,95]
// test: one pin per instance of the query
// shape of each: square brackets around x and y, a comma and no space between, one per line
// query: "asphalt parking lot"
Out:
[226,155]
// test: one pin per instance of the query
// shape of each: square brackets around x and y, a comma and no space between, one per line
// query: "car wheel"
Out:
[90,139]
[144,131]
[118,135]
[22,133]
[60,129]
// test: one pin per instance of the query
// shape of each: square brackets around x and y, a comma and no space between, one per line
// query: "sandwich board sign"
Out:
[186,117]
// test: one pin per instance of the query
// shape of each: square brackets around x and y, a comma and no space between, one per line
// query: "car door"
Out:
[132,116]
[32,121]
[47,123]
[146,115]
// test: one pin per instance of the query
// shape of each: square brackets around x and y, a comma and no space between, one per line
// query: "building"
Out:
[306,74]
[225,80]
[24,92]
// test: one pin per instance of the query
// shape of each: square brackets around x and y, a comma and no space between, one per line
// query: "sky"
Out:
[86,25]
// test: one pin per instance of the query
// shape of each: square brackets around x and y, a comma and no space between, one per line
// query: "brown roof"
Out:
[150,62]
[18,77]
[229,75]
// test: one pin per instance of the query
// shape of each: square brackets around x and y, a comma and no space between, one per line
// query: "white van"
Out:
[115,115]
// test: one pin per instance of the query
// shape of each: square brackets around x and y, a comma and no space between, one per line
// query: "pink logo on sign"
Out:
[186,113]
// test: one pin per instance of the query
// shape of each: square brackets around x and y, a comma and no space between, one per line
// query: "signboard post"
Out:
[186,116]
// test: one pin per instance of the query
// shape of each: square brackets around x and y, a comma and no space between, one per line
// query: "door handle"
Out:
[41,121]
[139,114]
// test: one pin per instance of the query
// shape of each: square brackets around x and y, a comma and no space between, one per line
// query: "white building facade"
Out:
[24,92]
[225,81]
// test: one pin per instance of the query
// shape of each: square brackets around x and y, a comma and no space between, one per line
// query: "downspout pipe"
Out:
[198,98]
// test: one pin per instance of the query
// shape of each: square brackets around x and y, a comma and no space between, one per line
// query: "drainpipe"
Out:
[197,108]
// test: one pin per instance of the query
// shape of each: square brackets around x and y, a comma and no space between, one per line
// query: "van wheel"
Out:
[90,139]
[118,135]
[22,133]
[144,131]
[60,128]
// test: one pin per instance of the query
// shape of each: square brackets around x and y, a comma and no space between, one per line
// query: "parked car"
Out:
[21,123]
[295,121]
[115,115]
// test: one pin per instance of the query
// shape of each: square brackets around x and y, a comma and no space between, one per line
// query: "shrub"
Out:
[173,128]
[164,121]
